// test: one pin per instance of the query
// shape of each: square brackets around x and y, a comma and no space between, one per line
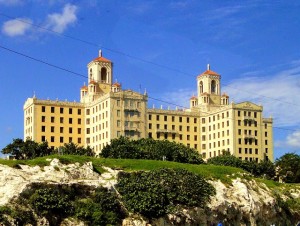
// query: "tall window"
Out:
[201,87]
[213,86]
[103,75]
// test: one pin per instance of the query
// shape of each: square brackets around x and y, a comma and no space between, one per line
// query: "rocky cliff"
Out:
[243,202]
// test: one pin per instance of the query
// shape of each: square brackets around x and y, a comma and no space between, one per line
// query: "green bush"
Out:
[264,168]
[157,192]
[102,208]
[150,149]
[289,167]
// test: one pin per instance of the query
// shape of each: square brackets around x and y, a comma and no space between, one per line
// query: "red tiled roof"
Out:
[205,93]
[101,59]
[117,84]
[84,87]
[193,98]
[224,95]
[93,82]
[209,72]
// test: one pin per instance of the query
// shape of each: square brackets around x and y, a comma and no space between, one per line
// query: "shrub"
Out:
[102,208]
[150,149]
[157,192]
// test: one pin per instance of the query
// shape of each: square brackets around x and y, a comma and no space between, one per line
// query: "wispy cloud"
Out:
[16,27]
[279,94]
[60,21]
[294,139]
[11,2]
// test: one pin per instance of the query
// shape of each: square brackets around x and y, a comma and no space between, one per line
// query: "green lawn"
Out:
[209,171]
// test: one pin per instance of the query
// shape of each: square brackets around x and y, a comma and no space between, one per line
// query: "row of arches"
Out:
[102,75]
[214,87]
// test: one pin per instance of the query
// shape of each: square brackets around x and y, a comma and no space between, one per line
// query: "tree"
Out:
[288,167]
[74,149]
[26,149]
[151,149]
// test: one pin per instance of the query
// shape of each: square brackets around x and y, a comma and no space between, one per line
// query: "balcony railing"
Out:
[249,118]
[249,137]
[165,131]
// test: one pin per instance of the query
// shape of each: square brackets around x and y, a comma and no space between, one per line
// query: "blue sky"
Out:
[254,45]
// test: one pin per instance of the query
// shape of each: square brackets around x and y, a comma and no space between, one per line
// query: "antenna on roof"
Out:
[100,53]
[208,67]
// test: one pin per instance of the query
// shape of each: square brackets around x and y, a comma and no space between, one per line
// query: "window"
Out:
[43,118]
[203,129]
[173,136]
[240,150]
[150,125]
[61,139]
[88,131]
[195,129]
[61,129]
[70,130]
[61,110]
[150,117]
[52,138]
[173,118]
[52,109]
[166,136]
[79,121]
[61,120]
[43,109]
[52,129]
[239,113]
[118,113]
[157,117]
[79,130]
[79,111]
[266,142]
[266,134]
[195,120]
[70,120]
[70,111]
[203,120]
[70,139]
[195,138]
[187,119]
[180,119]
[158,135]
[188,128]
[150,135]
[43,128]
[239,122]
[43,138]
[166,118]
[180,128]
[52,119]
[188,137]
[180,136]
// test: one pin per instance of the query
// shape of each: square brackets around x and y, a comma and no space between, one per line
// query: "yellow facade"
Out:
[211,125]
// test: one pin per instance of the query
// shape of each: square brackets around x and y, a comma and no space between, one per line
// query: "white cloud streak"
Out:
[16,27]
[60,21]
[294,139]
[278,94]
[11,2]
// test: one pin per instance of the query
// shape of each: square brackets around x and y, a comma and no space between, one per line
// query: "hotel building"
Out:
[211,125]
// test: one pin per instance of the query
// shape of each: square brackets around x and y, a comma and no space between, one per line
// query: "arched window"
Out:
[103,75]
[201,87]
[213,86]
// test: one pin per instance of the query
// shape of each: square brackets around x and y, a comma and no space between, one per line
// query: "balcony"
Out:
[249,137]
[249,118]
[131,128]
[166,131]
[130,108]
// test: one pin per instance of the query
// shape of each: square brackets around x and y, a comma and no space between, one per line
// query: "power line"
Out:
[84,76]
[129,56]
